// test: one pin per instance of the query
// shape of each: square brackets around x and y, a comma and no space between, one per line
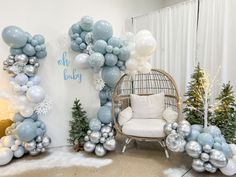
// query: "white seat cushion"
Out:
[125,116]
[170,115]
[152,128]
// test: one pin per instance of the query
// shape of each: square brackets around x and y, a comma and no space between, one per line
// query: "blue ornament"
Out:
[193,135]
[75,28]
[116,50]
[197,127]
[15,51]
[18,118]
[111,75]
[39,38]
[109,49]
[26,131]
[95,124]
[102,30]
[75,47]
[86,23]
[124,54]
[227,150]
[14,36]
[213,130]
[110,59]
[100,46]
[217,146]
[96,60]
[29,50]
[205,138]
[114,42]
[41,54]
[105,114]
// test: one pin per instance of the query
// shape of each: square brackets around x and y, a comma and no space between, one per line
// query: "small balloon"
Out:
[89,146]
[100,150]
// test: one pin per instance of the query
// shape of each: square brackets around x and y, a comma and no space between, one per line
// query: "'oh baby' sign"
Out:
[69,73]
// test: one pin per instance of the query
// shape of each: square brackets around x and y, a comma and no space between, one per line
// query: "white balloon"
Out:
[6,156]
[129,37]
[27,112]
[35,94]
[131,65]
[142,34]
[8,141]
[146,68]
[145,46]
[81,61]
[230,168]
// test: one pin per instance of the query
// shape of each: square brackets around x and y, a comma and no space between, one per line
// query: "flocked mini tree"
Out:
[78,126]
[225,113]
[195,97]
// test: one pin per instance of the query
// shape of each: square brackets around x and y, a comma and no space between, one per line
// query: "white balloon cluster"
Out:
[142,46]
[27,133]
[207,146]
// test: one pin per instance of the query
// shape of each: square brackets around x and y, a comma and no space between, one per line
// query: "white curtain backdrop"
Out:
[181,46]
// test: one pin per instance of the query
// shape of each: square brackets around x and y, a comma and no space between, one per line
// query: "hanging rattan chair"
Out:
[157,81]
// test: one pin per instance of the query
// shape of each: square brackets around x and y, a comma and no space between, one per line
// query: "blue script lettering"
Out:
[74,75]
[63,60]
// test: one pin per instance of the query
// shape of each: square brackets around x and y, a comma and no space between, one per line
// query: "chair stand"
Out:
[127,141]
[163,145]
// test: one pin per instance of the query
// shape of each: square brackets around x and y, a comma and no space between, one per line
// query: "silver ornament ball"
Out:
[89,146]
[21,59]
[100,150]
[168,128]
[110,144]
[95,136]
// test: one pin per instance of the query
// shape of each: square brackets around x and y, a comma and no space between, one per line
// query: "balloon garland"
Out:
[108,57]
[27,134]
[207,146]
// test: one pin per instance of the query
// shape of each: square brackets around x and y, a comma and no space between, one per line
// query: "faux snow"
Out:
[175,172]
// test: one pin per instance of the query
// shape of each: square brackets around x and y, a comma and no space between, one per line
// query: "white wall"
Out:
[171,2]
[53,19]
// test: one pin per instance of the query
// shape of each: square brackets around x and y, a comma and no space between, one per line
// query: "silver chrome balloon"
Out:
[39,139]
[175,142]
[40,145]
[89,146]
[46,141]
[184,122]
[86,138]
[174,125]
[218,159]
[89,132]
[198,165]
[168,128]
[29,146]
[95,136]
[37,65]
[111,134]
[33,152]
[21,59]
[110,144]
[30,70]
[106,129]
[32,60]
[205,157]
[184,129]
[102,140]
[209,167]
[193,149]
[206,148]
[100,150]
[105,135]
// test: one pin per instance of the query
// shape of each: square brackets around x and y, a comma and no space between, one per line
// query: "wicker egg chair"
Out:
[157,81]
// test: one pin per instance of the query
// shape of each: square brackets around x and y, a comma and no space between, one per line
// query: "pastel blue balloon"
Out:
[86,23]
[96,60]
[217,146]
[13,126]
[14,36]
[89,38]
[100,46]
[120,63]
[39,38]
[26,131]
[43,47]
[103,101]
[35,79]
[102,29]
[75,28]
[213,130]
[95,124]
[75,47]
[124,54]
[82,46]
[116,50]
[29,50]
[34,116]
[105,114]
[205,138]
[109,49]
[110,59]
[43,126]
[41,54]
[197,127]
[123,68]
[109,103]
[78,40]
[29,37]
[74,36]
[218,139]
[223,139]
[28,120]
[19,152]
[16,51]
[227,150]
[39,132]
[37,48]
[18,118]
[193,136]
[83,34]
[102,95]
[111,75]
[114,42]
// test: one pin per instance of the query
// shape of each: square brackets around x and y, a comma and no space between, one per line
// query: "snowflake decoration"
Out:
[44,107]
[99,84]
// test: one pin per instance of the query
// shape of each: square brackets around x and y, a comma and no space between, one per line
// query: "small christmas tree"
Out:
[225,113]
[194,104]
[78,126]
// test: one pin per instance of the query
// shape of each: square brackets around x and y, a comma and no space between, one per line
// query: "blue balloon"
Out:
[120,63]
[83,34]
[110,59]
[19,152]
[205,138]
[217,146]
[111,75]
[78,40]
[116,50]
[75,28]
[95,124]
[218,139]
[96,60]
[100,46]
[82,46]
[103,101]
[39,132]
[114,42]
[86,23]
[102,95]
[39,38]
[123,68]
[29,50]
[109,49]
[75,47]
[89,38]
[34,42]
[18,118]
[197,127]
[38,48]
[193,135]
[14,36]
[26,131]
[213,130]
[105,114]
[41,54]
[15,51]
[74,36]
[102,29]
[227,150]
[28,120]
[34,116]
[124,54]
[29,37]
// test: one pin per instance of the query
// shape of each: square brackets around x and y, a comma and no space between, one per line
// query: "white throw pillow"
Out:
[170,115]
[125,116]
[149,107]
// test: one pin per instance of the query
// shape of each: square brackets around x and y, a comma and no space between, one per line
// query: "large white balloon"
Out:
[8,141]
[36,94]
[230,168]
[27,111]
[145,46]
[81,61]
[146,68]
[6,156]
[131,65]
[142,34]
